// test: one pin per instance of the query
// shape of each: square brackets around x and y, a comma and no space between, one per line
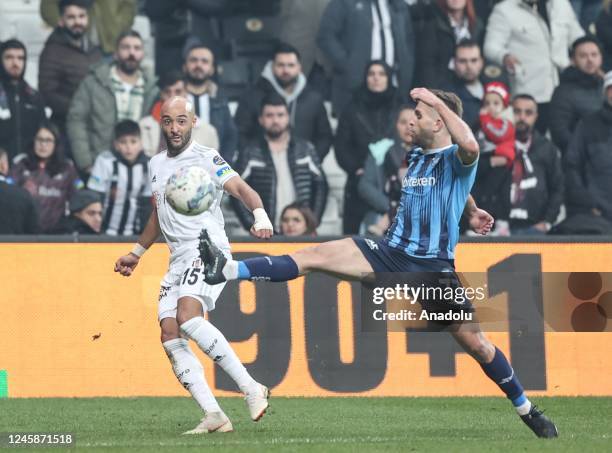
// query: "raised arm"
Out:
[460,132]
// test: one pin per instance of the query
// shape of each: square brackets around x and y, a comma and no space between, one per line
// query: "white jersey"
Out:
[181,231]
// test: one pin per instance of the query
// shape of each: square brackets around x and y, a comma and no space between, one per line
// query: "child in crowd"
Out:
[121,177]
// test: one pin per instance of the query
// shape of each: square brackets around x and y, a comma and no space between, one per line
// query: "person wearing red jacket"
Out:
[498,132]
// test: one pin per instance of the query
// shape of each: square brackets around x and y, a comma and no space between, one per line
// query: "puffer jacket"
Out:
[63,64]
[515,28]
[93,113]
[256,167]
[577,95]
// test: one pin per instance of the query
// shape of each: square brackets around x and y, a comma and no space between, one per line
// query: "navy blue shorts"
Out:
[432,272]
[383,258]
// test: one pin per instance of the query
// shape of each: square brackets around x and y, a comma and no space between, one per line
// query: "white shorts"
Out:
[186,278]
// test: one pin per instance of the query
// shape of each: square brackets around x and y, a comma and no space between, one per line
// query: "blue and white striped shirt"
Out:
[434,192]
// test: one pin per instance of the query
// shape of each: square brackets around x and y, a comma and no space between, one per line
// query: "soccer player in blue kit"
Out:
[422,238]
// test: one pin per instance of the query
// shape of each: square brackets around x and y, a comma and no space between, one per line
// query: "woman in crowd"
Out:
[440,26]
[366,123]
[381,184]
[298,220]
[50,178]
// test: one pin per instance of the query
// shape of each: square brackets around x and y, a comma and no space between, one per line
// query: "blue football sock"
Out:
[271,268]
[500,372]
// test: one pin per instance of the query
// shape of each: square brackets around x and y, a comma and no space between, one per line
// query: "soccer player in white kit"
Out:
[184,296]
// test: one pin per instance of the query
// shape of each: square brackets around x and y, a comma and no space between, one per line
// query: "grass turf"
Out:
[315,424]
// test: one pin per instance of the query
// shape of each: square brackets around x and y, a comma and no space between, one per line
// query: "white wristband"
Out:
[262,221]
[138,250]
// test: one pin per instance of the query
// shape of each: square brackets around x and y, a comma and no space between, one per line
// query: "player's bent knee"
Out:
[169,329]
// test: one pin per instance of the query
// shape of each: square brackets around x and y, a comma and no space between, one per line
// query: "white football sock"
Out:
[230,270]
[188,370]
[524,408]
[215,345]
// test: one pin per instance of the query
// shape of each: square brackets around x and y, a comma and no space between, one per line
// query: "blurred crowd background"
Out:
[309,101]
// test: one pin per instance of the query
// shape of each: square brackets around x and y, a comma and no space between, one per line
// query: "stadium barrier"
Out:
[73,328]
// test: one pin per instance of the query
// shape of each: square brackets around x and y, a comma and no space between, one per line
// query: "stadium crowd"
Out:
[313,80]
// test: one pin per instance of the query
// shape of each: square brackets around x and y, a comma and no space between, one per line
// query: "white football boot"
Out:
[257,401]
[213,422]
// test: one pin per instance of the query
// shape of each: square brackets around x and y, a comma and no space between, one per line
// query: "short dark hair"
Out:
[583,40]
[194,46]
[168,79]
[12,44]
[451,100]
[63,4]
[126,127]
[525,97]
[274,99]
[128,34]
[283,47]
[467,43]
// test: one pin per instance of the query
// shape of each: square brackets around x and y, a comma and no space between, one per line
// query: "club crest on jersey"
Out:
[218,160]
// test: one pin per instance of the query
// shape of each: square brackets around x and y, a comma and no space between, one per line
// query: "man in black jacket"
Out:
[537,180]
[307,114]
[280,167]
[21,107]
[469,78]
[210,104]
[579,92]
[18,213]
[588,163]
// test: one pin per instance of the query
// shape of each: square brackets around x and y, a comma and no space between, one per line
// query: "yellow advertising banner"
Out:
[74,328]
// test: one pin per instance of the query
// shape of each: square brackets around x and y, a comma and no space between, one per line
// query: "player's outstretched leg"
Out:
[341,258]
[190,373]
[495,365]
[214,344]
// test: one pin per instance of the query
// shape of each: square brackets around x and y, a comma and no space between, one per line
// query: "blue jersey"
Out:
[434,192]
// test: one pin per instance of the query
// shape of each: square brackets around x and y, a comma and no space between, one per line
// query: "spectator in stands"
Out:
[441,26]
[603,27]
[66,58]
[299,26]
[367,120]
[109,20]
[381,184]
[588,165]
[586,11]
[537,180]
[469,79]
[170,85]
[85,214]
[19,215]
[298,220]
[491,188]
[281,167]
[111,92]
[121,178]
[354,32]
[176,22]
[21,106]
[307,115]
[531,39]
[211,106]
[47,175]
[578,93]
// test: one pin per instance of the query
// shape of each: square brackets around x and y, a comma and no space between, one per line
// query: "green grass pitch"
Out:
[315,424]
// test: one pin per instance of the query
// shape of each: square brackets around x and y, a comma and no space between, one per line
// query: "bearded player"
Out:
[184,295]
[421,240]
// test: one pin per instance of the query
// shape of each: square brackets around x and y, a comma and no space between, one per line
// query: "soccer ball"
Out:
[190,190]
